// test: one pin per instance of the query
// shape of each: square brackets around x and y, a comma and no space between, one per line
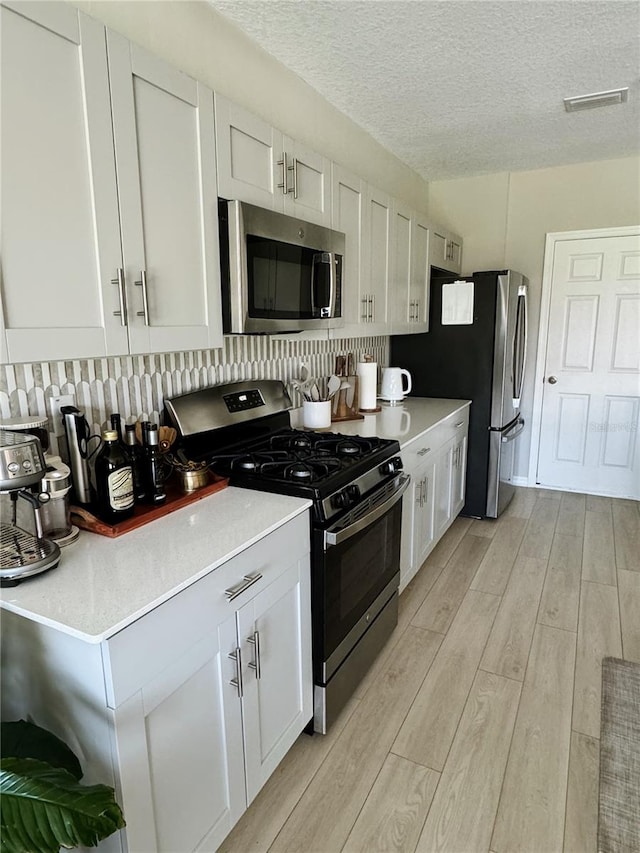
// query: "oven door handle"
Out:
[335,537]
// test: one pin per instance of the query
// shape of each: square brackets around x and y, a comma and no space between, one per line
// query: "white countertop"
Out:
[404,421]
[102,584]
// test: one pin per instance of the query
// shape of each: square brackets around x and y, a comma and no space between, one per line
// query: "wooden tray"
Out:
[176,499]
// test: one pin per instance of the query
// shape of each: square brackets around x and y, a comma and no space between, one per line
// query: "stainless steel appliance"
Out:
[22,553]
[484,361]
[78,436]
[243,431]
[279,273]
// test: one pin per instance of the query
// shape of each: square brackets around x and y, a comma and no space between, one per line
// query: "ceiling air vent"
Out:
[596,99]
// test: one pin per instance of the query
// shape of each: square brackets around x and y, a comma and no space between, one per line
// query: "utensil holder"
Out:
[316,415]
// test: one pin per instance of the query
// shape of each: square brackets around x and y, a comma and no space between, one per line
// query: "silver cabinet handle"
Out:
[363,313]
[372,308]
[294,168]
[236,682]
[458,425]
[122,295]
[142,282]
[239,588]
[283,186]
[552,380]
[424,451]
[254,640]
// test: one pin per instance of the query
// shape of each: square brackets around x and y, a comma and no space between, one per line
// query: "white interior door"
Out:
[591,398]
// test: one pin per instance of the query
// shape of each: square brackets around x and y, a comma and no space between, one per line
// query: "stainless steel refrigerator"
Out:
[475,349]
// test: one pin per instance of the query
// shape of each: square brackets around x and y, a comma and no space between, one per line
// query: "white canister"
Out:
[316,415]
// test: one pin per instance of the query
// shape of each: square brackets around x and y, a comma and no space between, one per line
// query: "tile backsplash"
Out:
[137,385]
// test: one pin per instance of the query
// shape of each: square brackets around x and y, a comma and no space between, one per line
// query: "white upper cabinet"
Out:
[83,223]
[248,150]
[419,282]
[165,158]
[402,308]
[445,250]
[60,228]
[348,215]
[376,263]
[258,164]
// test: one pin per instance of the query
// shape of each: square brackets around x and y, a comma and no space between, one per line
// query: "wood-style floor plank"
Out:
[531,812]
[484,527]
[430,726]
[474,770]
[325,814]
[626,531]
[541,527]
[269,811]
[596,503]
[581,823]
[441,604]
[599,557]
[571,514]
[561,592]
[395,810]
[495,568]
[629,591]
[443,551]
[598,637]
[522,504]
[507,650]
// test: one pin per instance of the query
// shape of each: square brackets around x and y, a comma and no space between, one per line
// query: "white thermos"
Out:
[367,372]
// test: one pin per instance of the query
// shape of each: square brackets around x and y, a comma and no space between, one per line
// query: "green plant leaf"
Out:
[44,808]
[26,740]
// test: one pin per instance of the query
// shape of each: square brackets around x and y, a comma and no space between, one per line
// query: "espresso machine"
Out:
[23,553]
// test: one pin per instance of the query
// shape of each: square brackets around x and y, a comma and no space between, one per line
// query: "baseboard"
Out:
[520,481]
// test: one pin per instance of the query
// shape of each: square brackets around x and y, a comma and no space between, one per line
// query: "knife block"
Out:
[345,402]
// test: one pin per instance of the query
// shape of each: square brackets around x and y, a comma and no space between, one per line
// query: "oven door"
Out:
[359,573]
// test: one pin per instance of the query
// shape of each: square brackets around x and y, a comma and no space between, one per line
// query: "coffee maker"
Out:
[23,553]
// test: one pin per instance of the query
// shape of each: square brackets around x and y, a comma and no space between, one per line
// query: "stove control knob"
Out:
[391,466]
[347,497]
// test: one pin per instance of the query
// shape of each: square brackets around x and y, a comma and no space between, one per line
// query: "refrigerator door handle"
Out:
[513,433]
[520,341]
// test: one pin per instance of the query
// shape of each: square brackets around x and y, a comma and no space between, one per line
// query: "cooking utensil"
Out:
[333,385]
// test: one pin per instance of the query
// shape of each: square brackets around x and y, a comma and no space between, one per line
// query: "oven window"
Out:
[356,572]
[279,279]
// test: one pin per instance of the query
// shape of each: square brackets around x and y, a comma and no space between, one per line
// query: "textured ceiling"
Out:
[464,87]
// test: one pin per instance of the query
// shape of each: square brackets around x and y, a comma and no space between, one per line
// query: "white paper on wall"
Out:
[457,303]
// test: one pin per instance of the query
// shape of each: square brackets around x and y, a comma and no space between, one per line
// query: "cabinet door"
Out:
[419,284]
[274,632]
[308,184]
[376,262]
[348,209]
[402,308]
[179,745]
[250,157]
[425,532]
[442,489]
[165,157]
[446,250]
[458,475]
[60,228]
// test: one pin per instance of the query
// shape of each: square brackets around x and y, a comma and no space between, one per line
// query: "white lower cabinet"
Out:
[436,461]
[188,710]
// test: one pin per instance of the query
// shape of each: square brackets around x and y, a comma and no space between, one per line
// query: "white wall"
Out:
[504,219]
[195,38]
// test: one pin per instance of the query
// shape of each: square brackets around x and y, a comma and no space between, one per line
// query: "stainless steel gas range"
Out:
[242,430]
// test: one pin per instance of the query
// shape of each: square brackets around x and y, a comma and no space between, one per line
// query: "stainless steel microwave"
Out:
[279,273]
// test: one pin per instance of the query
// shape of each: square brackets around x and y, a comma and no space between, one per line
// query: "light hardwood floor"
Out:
[477,728]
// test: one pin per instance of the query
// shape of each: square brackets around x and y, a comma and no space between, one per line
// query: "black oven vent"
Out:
[369,503]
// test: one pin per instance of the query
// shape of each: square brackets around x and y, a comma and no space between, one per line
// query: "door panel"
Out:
[163,128]
[61,237]
[591,400]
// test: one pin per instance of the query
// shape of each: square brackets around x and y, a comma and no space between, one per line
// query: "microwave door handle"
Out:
[336,537]
[325,258]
